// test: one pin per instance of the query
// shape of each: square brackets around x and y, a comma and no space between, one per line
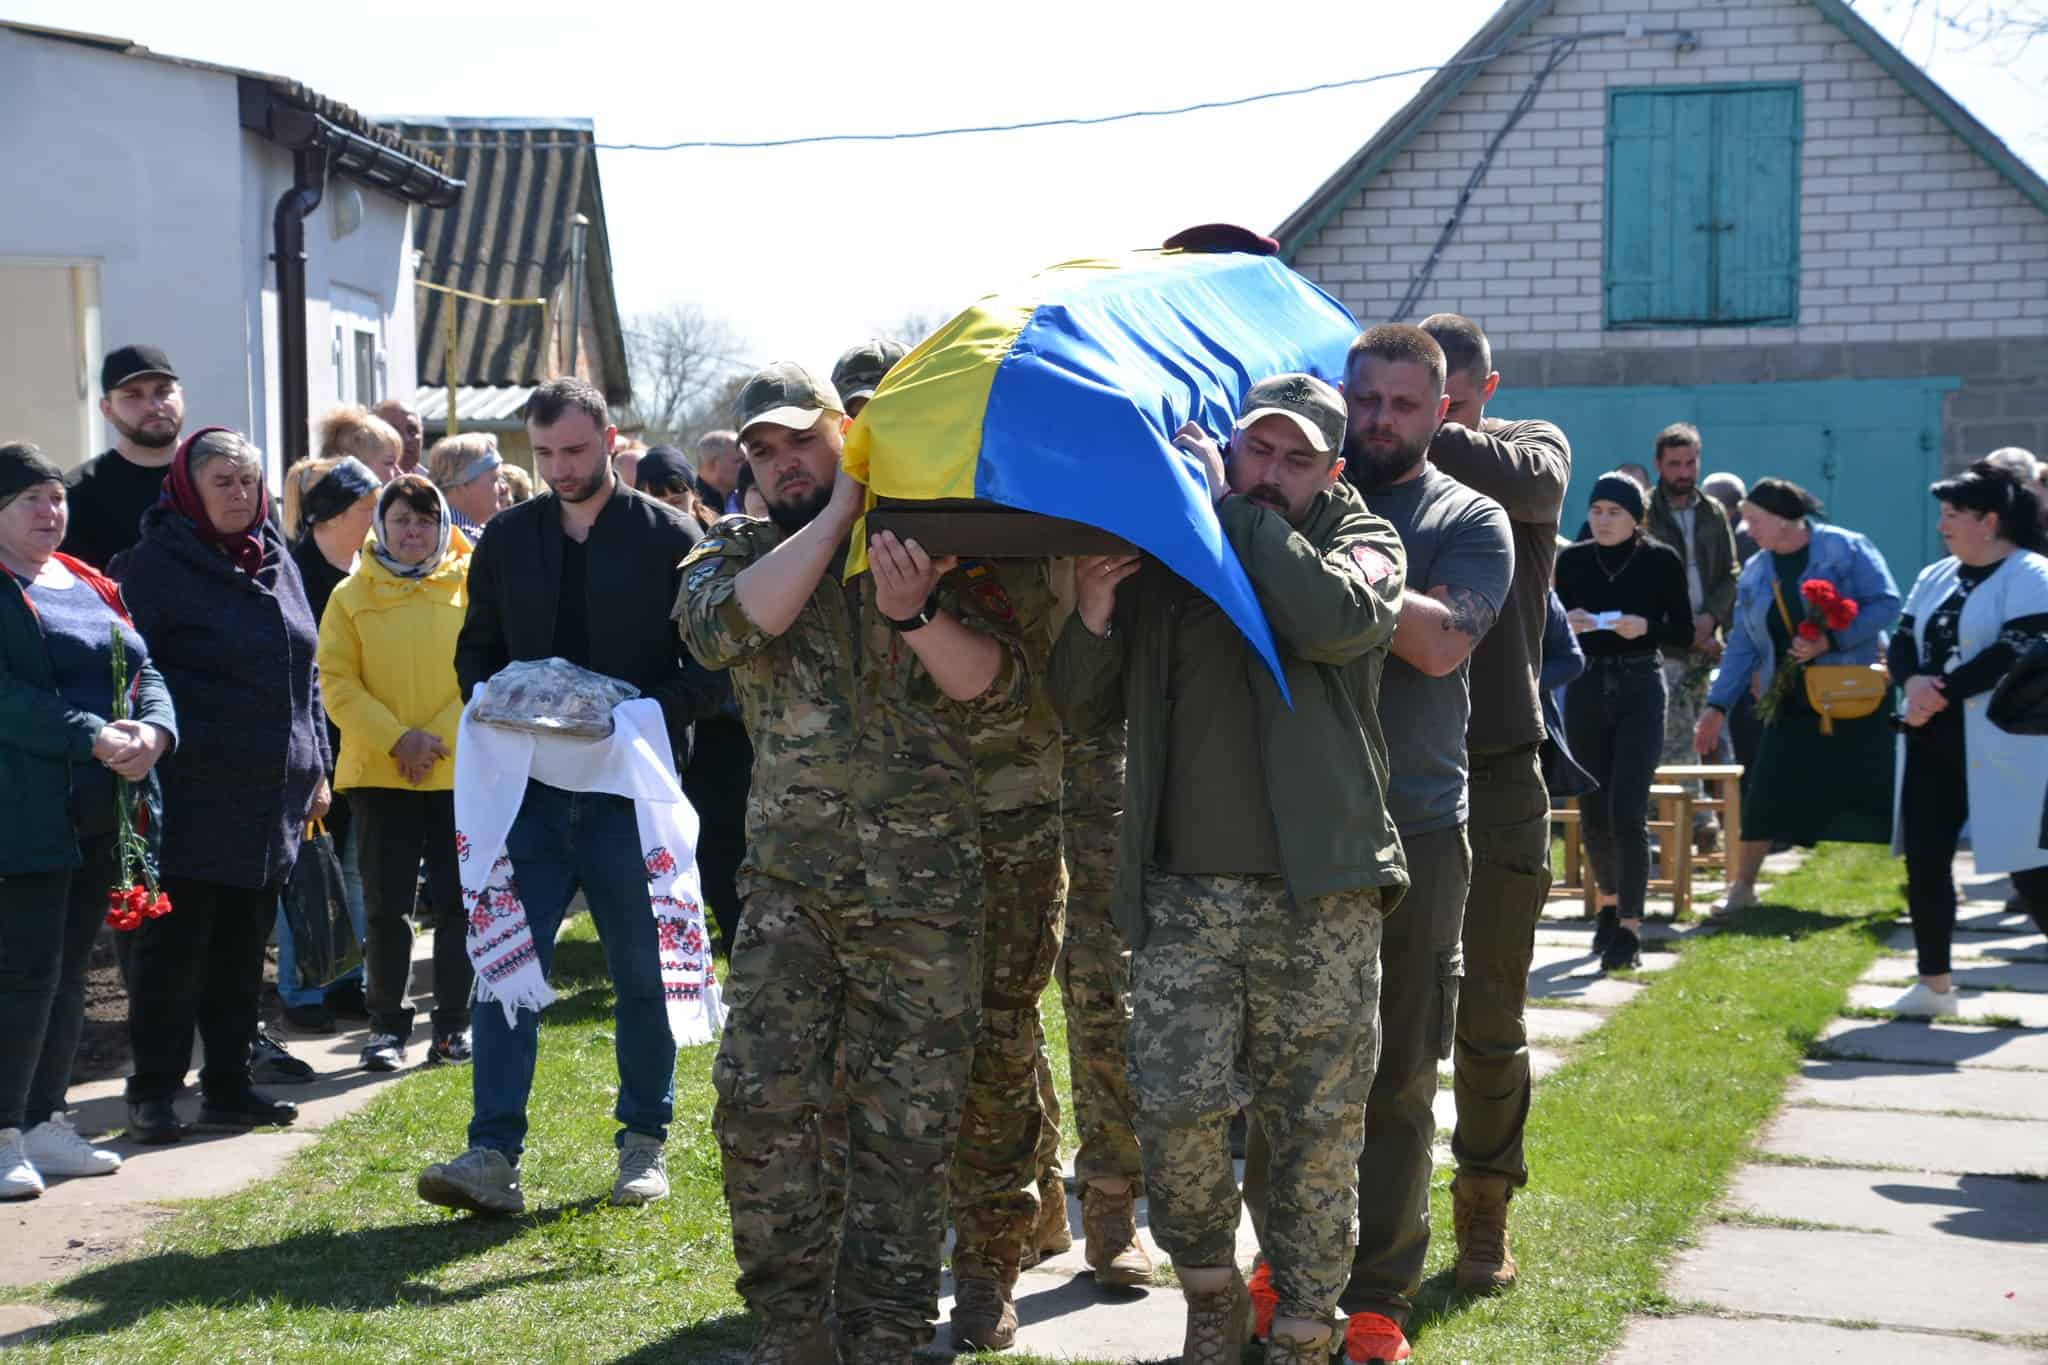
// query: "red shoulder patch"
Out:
[1375,564]
[994,600]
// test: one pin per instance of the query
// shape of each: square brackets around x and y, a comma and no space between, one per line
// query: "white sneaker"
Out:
[1738,896]
[643,1172]
[481,1180]
[18,1179]
[1923,1002]
[57,1149]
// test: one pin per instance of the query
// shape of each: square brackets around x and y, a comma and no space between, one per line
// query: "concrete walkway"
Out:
[1061,1312]
[1895,1210]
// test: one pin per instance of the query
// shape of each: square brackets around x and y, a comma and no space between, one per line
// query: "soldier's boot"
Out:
[878,1348]
[1219,1314]
[1109,1224]
[985,1313]
[1297,1341]
[1479,1216]
[792,1341]
[1055,1233]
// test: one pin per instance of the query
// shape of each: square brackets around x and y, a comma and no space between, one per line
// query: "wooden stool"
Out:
[1674,806]
[1577,879]
[1721,785]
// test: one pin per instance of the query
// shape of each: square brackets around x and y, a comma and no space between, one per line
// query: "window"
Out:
[358,345]
[1702,207]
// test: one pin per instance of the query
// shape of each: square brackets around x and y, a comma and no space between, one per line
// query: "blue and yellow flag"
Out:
[1062,397]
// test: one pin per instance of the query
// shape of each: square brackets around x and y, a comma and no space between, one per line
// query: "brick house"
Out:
[1754,215]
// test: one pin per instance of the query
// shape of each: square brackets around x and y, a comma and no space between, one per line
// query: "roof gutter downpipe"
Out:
[288,228]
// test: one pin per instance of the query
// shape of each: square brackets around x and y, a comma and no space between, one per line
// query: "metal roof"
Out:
[490,408]
[1514,18]
[509,236]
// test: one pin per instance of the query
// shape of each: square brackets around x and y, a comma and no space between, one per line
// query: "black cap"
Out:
[124,363]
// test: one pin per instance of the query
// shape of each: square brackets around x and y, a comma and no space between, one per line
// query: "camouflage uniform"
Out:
[863,904]
[1241,1001]
[1017,776]
[1095,967]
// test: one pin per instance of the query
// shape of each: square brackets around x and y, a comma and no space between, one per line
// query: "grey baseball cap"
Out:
[859,372]
[1302,399]
[786,395]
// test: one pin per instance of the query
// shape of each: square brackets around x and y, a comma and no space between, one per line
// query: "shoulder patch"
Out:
[993,599]
[1375,565]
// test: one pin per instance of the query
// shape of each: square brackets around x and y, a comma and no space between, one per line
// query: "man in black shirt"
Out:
[587,572]
[145,405]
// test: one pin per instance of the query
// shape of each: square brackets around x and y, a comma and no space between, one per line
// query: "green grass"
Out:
[336,1259]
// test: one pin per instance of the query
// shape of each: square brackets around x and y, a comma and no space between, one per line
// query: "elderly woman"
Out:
[1812,780]
[328,506]
[59,757]
[1969,619]
[387,673]
[466,470]
[213,587]
[1625,597]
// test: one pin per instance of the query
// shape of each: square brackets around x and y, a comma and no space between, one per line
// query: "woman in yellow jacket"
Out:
[387,673]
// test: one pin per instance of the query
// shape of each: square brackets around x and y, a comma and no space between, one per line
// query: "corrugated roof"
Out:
[473,406]
[509,237]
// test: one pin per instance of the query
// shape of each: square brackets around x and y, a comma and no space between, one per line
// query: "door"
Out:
[49,358]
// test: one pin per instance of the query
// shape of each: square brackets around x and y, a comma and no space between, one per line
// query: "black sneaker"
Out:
[314,1018]
[270,1064]
[153,1122]
[384,1052]
[250,1109]
[347,1002]
[1603,932]
[451,1049]
[1624,951]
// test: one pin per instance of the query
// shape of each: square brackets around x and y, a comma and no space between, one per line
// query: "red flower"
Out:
[1809,631]
[1819,592]
[1842,612]
[159,906]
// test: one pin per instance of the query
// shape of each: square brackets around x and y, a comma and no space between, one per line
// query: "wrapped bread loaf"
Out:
[551,697]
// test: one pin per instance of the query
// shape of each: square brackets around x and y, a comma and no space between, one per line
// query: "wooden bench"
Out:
[1721,790]
[1670,824]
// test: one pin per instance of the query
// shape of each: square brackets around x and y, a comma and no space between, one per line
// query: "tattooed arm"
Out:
[1467,580]
[1439,628]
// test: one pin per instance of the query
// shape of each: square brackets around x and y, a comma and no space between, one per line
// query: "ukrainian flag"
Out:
[1062,398]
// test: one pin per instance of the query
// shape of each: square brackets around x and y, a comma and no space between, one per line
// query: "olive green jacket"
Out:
[1331,591]
[1713,547]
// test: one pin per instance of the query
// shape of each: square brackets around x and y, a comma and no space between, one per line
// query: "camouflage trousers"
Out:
[900,997]
[996,1164]
[1241,1001]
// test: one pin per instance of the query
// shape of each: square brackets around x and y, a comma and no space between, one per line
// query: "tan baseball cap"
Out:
[784,394]
[1302,399]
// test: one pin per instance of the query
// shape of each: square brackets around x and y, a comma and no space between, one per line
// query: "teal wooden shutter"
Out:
[1702,205]
[1756,206]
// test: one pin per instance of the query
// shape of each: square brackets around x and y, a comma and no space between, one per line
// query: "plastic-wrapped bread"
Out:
[550,697]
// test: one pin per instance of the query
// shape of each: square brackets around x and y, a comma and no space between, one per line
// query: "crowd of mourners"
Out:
[1273,895]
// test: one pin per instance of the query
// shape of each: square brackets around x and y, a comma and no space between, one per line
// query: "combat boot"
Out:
[1479,1217]
[1298,1342]
[984,1314]
[1109,1223]
[1219,1314]
[1055,1233]
[792,1341]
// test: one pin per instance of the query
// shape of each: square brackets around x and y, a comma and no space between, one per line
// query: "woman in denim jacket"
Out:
[1807,785]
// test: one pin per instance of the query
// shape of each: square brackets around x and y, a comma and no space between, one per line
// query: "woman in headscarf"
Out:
[214,589]
[1813,780]
[387,670]
[60,753]
[328,506]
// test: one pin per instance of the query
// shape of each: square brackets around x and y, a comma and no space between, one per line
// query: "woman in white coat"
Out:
[1968,620]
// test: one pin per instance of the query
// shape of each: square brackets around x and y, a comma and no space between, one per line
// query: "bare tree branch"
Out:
[683,359]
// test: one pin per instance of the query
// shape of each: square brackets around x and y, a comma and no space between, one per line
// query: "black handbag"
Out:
[324,941]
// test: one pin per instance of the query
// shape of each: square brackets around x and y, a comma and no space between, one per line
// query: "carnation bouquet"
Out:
[128,904]
[1826,609]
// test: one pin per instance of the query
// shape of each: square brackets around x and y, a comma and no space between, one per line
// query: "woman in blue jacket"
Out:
[1809,784]
[59,757]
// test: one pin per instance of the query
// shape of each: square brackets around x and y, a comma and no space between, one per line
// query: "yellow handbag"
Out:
[1837,691]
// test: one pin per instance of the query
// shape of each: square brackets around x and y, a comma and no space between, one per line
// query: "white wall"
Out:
[142,167]
[1905,233]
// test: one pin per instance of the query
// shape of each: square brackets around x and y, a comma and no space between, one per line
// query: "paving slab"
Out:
[2025,1008]
[20,1322]
[1910,1042]
[2027,947]
[1875,1085]
[1560,986]
[1972,974]
[1693,1339]
[1924,1142]
[1560,1025]
[1864,1277]
[1982,1208]
[1992,919]
[1578,933]
[1565,959]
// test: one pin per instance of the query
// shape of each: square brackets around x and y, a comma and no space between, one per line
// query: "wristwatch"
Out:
[925,615]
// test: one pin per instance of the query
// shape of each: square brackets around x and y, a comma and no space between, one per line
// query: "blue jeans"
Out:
[562,841]
[289,988]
